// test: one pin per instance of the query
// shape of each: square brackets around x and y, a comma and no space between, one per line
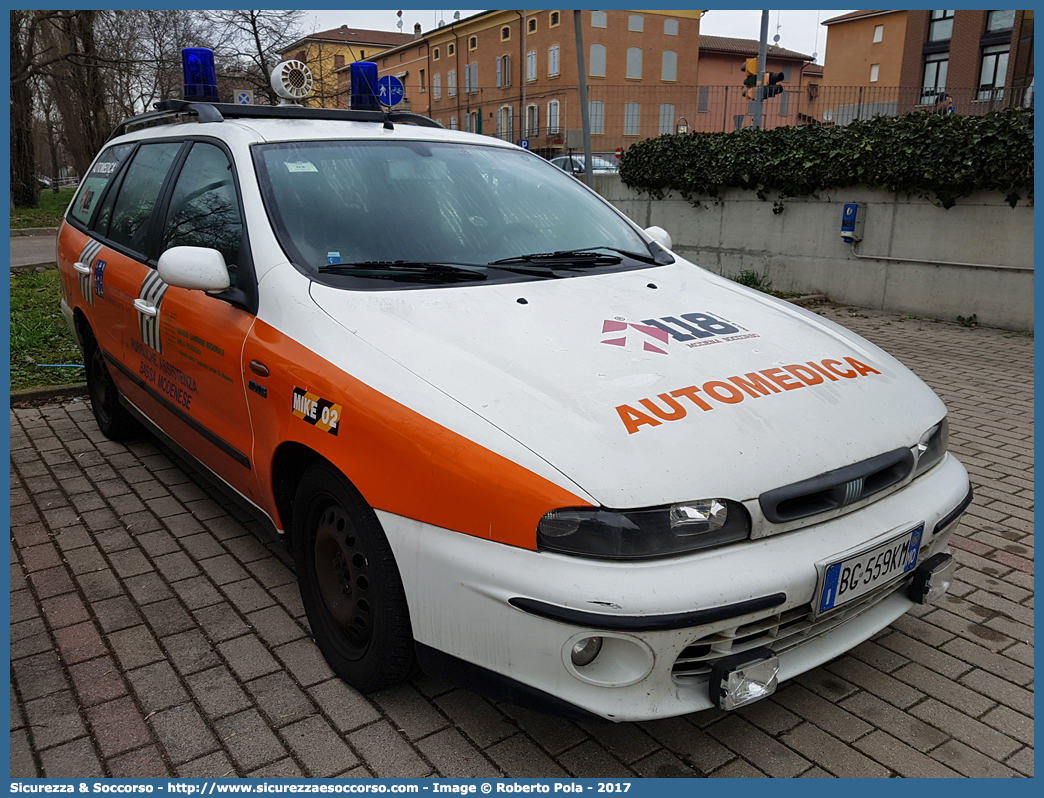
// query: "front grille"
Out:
[837,488]
[778,631]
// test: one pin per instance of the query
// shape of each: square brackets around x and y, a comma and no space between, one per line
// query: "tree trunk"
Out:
[25,191]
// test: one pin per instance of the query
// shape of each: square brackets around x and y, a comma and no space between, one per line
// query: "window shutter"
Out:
[500,77]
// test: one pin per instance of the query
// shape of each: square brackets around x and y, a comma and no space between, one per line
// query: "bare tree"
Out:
[247,44]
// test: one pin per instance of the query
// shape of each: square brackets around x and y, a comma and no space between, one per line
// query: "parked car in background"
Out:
[574,164]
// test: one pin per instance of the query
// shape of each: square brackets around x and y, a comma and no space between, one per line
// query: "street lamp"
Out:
[682,126]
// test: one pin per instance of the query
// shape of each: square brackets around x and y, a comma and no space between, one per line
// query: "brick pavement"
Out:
[154,633]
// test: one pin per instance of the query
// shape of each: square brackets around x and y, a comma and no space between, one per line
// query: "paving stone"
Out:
[222,569]
[386,753]
[965,729]
[39,675]
[590,760]
[626,741]
[248,657]
[29,637]
[53,719]
[75,760]
[22,763]
[304,660]
[117,726]
[998,689]
[519,756]
[1022,762]
[901,758]
[221,622]
[283,769]
[554,735]
[167,618]
[275,626]
[824,714]
[52,582]
[217,692]
[145,763]
[157,543]
[247,595]
[1012,723]
[454,757]
[148,588]
[197,592]
[183,734]
[189,652]
[135,647]
[897,723]
[996,664]
[409,711]
[249,740]
[346,707]
[318,747]
[280,699]
[769,716]
[212,766]
[692,744]
[737,769]
[752,744]
[969,762]
[830,753]
[157,687]
[874,681]
[78,643]
[663,765]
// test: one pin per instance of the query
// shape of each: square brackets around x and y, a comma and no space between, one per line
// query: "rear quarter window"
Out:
[93,185]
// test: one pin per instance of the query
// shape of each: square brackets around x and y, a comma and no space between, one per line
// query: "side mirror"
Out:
[660,236]
[195,268]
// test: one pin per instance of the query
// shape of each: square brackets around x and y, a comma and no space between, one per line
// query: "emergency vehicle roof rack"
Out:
[170,110]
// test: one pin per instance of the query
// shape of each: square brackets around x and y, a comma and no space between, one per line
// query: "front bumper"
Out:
[461,590]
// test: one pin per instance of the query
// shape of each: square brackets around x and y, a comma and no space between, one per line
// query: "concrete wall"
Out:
[801,248]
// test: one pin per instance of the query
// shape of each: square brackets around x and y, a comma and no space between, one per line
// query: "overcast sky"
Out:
[798,30]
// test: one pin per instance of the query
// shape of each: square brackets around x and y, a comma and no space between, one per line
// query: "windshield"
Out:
[355,202]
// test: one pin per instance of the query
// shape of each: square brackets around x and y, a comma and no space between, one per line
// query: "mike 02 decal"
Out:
[321,413]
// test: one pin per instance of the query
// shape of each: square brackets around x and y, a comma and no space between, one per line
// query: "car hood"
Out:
[563,367]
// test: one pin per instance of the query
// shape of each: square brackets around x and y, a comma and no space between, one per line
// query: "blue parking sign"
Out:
[524,144]
[390,91]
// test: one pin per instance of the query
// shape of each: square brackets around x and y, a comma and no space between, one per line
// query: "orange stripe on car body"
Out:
[401,461]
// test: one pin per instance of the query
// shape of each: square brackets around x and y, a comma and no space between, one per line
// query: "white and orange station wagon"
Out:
[509,436]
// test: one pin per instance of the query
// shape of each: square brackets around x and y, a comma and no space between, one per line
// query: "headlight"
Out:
[637,534]
[932,446]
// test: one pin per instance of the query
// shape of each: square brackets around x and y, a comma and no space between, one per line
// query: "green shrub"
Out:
[937,157]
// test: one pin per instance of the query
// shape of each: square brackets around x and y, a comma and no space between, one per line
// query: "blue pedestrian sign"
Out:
[390,91]
[245,97]
[524,144]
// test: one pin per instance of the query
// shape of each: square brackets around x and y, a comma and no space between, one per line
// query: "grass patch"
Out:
[761,282]
[39,333]
[49,214]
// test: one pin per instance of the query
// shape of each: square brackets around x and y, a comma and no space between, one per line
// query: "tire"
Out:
[350,585]
[114,420]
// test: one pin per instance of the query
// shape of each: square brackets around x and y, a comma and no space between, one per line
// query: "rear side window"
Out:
[93,185]
[204,209]
[138,195]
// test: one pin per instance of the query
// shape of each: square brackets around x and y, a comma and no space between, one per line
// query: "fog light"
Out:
[744,678]
[933,578]
[585,651]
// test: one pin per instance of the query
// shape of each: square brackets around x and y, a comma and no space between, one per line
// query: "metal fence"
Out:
[621,115]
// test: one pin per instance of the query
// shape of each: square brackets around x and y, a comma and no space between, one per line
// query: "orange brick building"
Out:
[513,74]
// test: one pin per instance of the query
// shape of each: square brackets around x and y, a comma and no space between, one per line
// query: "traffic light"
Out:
[771,79]
[750,66]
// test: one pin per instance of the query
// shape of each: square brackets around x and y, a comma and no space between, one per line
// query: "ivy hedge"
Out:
[938,157]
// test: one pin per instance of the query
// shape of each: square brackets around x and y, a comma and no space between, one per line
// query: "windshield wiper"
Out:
[406,269]
[575,258]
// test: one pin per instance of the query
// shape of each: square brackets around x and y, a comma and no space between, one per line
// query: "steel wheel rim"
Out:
[342,576]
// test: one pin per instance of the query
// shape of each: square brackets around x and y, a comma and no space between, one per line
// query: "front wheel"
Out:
[350,585]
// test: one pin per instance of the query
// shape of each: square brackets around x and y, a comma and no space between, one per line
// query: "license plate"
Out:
[855,576]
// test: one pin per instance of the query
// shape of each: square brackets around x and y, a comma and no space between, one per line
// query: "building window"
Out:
[878,33]
[504,71]
[635,22]
[532,121]
[552,118]
[597,67]
[940,28]
[531,25]
[598,19]
[669,71]
[667,119]
[504,123]
[704,101]
[436,87]
[552,61]
[423,85]
[471,78]
[631,111]
[784,103]
[786,73]
[505,34]
[934,85]
[362,55]
[994,71]
[451,50]
[473,43]
[670,27]
[435,54]
[453,123]
[451,82]
[338,61]
[875,70]
[554,20]
[634,63]
[999,20]
[531,68]
[596,117]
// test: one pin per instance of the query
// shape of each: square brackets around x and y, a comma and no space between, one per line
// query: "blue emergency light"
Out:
[364,86]
[197,64]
